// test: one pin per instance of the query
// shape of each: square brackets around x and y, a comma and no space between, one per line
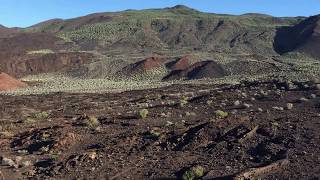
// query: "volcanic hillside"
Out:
[5,32]
[181,68]
[34,53]
[181,63]
[304,37]
[148,64]
[174,28]
[108,44]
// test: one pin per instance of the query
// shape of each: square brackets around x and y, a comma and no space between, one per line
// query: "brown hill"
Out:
[181,63]
[20,66]
[303,37]
[5,32]
[199,70]
[173,28]
[154,30]
[34,53]
[148,64]
[58,25]
[24,42]
[9,83]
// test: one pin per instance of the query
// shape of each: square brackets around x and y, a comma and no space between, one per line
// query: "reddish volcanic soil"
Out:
[21,43]
[15,60]
[20,66]
[150,63]
[182,63]
[9,83]
[144,65]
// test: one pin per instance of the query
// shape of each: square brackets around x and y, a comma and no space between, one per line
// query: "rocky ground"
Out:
[264,130]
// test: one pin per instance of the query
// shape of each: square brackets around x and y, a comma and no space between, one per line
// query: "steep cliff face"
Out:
[34,53]
[35,64]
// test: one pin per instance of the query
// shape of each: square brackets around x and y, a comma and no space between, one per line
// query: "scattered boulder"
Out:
[278,108]
[237,103]
[9,162]
[26,163]
[313,96]
[303,99]
[289,106]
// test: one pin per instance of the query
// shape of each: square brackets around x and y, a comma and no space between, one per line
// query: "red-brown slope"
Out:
[21,43]
[5,32]
[182,63]
[148,64]
[9,83]
[16,60]
[35,64]
[199,70]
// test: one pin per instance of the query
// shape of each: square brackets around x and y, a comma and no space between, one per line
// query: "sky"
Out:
[24,13]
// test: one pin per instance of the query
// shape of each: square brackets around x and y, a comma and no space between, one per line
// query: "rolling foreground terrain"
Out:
[168,93]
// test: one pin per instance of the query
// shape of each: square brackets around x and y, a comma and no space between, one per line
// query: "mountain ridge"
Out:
[166,8]
[174,27]
[166,31]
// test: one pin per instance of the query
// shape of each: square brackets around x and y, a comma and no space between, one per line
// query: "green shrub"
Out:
[221,114]
[92,122]
[41,116]
[37,117]
[143,113]
[183,102]
[193,173]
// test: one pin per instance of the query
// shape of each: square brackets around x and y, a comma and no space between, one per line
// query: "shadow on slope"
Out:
[303,37]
